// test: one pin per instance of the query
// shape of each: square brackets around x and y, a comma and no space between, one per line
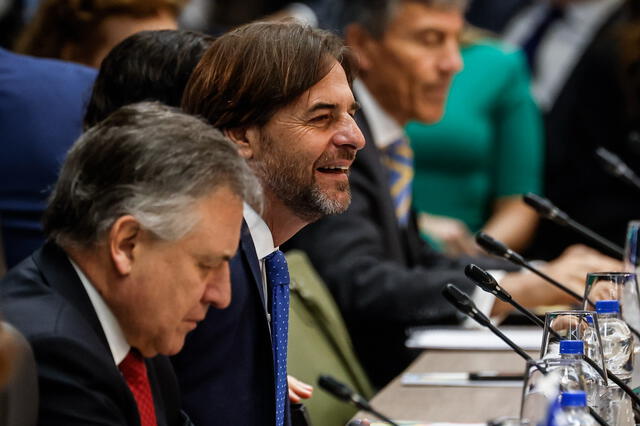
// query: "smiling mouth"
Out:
[334,169]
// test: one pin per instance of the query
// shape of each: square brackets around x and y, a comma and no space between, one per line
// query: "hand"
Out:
[453,234]
[572,266]
[570,269]
[298,390]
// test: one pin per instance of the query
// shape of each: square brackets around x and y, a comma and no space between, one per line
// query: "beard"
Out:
[281,173]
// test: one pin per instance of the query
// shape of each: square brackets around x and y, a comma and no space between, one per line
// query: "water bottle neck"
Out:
[609,316]
[571,355]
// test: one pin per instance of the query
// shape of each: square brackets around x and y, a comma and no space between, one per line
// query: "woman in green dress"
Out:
[472,167]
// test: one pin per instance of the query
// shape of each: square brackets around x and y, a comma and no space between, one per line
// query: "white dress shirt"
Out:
[109,323]
[562,45]
[263,243]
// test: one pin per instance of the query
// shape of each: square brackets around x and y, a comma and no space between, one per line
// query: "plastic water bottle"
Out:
[617,341]
[617,348]
[584,377]
[574,410]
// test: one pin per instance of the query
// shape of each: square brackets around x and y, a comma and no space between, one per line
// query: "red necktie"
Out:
[135,374]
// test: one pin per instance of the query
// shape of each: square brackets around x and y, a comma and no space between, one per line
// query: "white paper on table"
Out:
[528,338]
[454,379]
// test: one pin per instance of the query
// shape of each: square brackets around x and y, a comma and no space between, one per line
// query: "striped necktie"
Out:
[278,278]
[398,158]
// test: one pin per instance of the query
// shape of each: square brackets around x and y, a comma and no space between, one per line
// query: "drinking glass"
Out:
[572,325]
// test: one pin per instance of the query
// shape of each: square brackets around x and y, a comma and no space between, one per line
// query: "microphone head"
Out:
[335,388]
[491,246]
[539,204]
[462,302]
[481,277]
[545,208]
[457,298]
[485,281]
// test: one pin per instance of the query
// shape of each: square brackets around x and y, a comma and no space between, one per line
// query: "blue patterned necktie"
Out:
[278,278]
[398,157]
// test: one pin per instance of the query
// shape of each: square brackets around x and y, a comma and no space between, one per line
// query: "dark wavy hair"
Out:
[249,73]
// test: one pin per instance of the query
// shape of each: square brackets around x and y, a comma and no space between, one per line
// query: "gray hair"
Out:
[146,160]
[375,15]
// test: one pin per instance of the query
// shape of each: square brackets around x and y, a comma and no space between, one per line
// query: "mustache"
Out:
[343,153]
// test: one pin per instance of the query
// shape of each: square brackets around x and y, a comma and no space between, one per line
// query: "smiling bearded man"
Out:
[282,93]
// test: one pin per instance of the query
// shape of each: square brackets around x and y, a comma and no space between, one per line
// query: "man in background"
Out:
[383,276]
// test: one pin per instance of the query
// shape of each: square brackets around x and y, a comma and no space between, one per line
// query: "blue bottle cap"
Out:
[607,306]
[571,347]
[573,399]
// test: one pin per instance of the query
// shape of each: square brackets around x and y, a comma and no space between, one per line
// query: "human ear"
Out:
[124,236]
[244,139]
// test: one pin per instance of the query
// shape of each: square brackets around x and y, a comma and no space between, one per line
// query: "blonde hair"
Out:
[59,22]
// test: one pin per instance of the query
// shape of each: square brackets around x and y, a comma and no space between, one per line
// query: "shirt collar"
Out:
[112,330]
[384,129]
[260,232]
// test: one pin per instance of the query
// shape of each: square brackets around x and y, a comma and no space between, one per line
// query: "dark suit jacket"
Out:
[225,369]
[493,15]
[79,382]
[590,111]
[384,278]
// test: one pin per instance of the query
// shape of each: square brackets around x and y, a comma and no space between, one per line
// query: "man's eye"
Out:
[431,38]
[320,118]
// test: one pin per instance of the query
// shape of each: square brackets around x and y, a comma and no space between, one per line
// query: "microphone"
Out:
[497,248]
[345,393]
[548,210]
[485,281]
[464,304]
[616,167]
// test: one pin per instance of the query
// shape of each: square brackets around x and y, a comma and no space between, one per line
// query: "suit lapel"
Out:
[249,255]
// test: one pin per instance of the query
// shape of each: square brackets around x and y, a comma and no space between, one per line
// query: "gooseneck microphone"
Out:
[485,281]
[548,210]
[497,248]
[616,167]
[464,304]
[345,393]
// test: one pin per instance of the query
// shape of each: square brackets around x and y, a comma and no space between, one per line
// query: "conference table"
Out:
[426,403]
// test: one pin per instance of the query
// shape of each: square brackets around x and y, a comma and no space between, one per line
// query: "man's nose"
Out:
[218,290]
[349,134]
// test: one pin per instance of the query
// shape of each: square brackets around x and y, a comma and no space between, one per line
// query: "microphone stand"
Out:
[548,210]
[345,393]
[497,248]
[456,297]
[485,281]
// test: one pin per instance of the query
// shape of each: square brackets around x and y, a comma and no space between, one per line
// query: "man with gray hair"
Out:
[383,276]
[141,226]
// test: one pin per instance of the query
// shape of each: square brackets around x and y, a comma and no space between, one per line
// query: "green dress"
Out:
[488,144]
